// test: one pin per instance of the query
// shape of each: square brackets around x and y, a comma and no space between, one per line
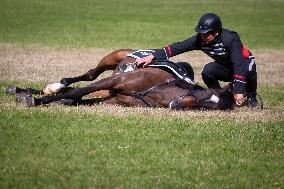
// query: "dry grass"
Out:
[38,64]
[239,114]
[34,64]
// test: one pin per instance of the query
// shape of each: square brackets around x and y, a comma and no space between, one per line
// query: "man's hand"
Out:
[239,99]
[146,60]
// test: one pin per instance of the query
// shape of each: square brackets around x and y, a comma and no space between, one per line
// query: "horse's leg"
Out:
[109,62]
[133,81]
[77,93]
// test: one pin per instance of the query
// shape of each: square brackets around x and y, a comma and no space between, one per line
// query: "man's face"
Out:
[208,37]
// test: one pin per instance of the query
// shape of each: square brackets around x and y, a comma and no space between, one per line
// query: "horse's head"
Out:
[213,98]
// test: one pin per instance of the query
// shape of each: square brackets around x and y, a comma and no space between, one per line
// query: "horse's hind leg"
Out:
[109,62]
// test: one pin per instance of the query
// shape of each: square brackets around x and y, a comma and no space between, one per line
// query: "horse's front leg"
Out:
[109,62]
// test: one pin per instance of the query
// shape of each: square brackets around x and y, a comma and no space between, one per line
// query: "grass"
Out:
[74,150]
[273,96]
[116,147]
[62,147]
[136,23]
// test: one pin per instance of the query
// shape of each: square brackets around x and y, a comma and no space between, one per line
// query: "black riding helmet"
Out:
[208,22]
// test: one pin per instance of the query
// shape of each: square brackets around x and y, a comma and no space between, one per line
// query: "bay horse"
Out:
[149,86]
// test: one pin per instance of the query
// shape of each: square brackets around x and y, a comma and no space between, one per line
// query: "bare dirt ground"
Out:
[39,64]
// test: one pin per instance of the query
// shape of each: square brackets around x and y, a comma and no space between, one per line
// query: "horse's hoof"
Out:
[30,101]
[10,90]
[21,97]
[26,99]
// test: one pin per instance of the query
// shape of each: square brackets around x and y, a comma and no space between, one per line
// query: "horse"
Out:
[148,87]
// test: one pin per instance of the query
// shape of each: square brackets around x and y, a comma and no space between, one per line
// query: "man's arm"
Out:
[239,69]
[171,50]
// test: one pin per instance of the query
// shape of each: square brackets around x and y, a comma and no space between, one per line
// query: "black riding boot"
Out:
[251,91]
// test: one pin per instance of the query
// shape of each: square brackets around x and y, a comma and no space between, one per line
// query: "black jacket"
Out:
[226,49]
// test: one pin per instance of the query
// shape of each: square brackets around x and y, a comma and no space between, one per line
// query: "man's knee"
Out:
[206,70]
[209,77]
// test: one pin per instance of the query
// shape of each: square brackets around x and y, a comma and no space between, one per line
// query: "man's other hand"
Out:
[239,99]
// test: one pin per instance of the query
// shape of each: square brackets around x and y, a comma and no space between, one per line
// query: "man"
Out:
[232,60]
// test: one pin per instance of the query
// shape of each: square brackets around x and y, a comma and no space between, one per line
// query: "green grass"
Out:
[54,148]
[74,150]
[273,96]
[135,23]
[57,148]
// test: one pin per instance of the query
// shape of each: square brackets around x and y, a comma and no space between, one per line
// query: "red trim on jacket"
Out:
[239,77]
[170,51]
[245,52]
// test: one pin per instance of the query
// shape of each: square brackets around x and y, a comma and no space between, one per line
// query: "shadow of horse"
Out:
[146,87]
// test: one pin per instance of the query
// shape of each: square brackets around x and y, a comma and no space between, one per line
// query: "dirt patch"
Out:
[34,64]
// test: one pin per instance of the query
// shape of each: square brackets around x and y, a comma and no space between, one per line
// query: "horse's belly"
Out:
[129,101]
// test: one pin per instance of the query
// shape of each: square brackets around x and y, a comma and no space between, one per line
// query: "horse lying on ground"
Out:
[149,87]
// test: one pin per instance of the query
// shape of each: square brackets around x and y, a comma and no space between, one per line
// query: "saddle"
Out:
[181,70]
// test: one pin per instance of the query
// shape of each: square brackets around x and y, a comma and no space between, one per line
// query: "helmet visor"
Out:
[201,30]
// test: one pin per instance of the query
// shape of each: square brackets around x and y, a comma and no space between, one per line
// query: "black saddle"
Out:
[182,70]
